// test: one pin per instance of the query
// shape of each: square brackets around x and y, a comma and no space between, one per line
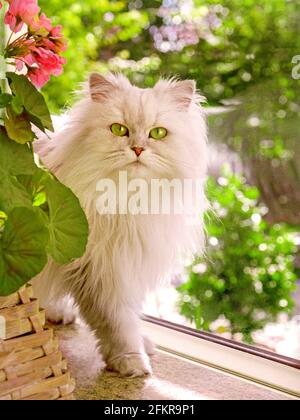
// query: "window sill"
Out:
[174,377]
[264,368]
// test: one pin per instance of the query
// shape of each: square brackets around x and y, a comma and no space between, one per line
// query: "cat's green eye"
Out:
[158,133]
[119,130]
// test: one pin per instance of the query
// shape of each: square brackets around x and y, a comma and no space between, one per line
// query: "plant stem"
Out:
[9,39]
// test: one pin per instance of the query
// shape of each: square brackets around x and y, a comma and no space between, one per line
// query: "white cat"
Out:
[127,255]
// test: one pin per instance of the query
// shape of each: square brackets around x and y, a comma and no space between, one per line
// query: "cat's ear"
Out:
[100,87]
[184,92]
[181,92]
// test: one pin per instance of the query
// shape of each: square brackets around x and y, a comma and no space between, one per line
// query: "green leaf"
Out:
[12,193]
[39,199]
[18,127]
[35,121]
[5,100]
[68,226]
[15,160]
[22,249]
[62,213]
[35,187]
[32,100]
[17,105]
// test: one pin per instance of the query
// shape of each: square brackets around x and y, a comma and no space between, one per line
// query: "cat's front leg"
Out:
[122,344]
[130,364]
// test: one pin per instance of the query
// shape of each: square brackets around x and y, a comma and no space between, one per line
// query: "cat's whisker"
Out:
[162,162]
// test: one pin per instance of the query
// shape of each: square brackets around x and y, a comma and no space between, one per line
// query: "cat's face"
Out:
[150,133]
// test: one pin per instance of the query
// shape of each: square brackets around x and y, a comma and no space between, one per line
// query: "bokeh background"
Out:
[241,55]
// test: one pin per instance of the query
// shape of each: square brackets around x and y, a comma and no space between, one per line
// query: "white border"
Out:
[254,368]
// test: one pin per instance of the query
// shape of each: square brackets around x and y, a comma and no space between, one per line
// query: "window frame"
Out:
[256,365]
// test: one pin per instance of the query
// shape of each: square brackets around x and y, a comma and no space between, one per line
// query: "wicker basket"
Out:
[31,365]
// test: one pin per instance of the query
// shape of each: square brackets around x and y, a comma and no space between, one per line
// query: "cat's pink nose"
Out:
[137,150]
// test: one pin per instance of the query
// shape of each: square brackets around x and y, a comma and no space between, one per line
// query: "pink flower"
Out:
[56,32]
[57,38]
[20,12]
[47,44]
[38,77]
[19,64]
[41,25]
[48,61]
[0,5]
[27,60]
[20,48]
[38,49]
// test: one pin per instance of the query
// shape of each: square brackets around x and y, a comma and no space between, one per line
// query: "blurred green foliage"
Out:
[247,277]
[224,45]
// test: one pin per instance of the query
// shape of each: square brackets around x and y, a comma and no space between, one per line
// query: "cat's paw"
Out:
[59,318]
[131,365]
[62,312]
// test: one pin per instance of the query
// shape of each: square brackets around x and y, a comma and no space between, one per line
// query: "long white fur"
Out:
[126,255]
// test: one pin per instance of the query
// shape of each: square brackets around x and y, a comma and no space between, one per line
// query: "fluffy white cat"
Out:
[127,255]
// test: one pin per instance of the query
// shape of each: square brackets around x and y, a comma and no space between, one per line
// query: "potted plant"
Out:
[40,218]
